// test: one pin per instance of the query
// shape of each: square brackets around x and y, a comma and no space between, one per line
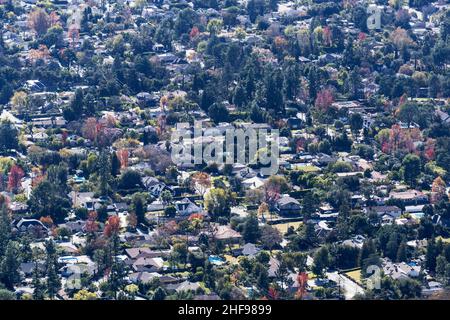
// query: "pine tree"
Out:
[402,254]
[53,281]
[39,290]
[9,266]
[5,229]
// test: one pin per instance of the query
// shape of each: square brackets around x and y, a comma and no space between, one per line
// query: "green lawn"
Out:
[355,275]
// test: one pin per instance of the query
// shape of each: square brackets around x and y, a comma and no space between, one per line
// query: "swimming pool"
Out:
[216,260]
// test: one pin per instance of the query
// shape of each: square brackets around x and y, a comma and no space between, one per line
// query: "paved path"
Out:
[350,288]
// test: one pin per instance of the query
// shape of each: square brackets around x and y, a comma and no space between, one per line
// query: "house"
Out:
[356,241]
[252,183]
[32,226]
[155,187]
[186,207]
[146,277]
[392,211]
[225,233]
[184,286]
[249,250]
[400,270]
[409,197]
[148,264]
[287,205]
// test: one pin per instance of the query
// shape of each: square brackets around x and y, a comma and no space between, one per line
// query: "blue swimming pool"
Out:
[215,260]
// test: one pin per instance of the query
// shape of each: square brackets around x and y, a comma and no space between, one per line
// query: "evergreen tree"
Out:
[9,266]
[251,231]
[53,283]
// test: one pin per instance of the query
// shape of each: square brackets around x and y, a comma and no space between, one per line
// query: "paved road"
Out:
[350,288]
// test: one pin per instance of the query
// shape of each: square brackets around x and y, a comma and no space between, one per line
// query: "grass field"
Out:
[355,275]
[283,227]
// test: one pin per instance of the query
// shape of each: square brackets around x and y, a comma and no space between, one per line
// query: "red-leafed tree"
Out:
[194,32]
[112,226]
[327,36]
[272,294]
[429,150]
[362,36]
[324,99]
[15,175]
[91,223]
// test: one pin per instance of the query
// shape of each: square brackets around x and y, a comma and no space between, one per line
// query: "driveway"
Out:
[350,288]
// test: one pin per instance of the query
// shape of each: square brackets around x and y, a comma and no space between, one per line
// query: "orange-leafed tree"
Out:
[47,221]
[302,279]
[15,175]
[123,155]
[112,226]
[53,19]
[201,181]
[438,190]
[41,53]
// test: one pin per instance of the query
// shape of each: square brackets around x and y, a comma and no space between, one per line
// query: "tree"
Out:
[7,295]
[402,253]
[218,112]
[159,294]
[19,102]
[324,99]
[321,261]
[201,182]
[8,136]
[431,255]
[84,295]
[38,286]
[438,189]
[270,237]
[214,26]
[47,199]
[115,164]
[15,175]
[112,226]
[138,205]
[217,202]
[5,229]
[9,266]
[251,232]
[53,283]
[408,112]
[130,179]
[166,197]
[104,172]
[39,21]
[122,154]
[411,168]
[356,122]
